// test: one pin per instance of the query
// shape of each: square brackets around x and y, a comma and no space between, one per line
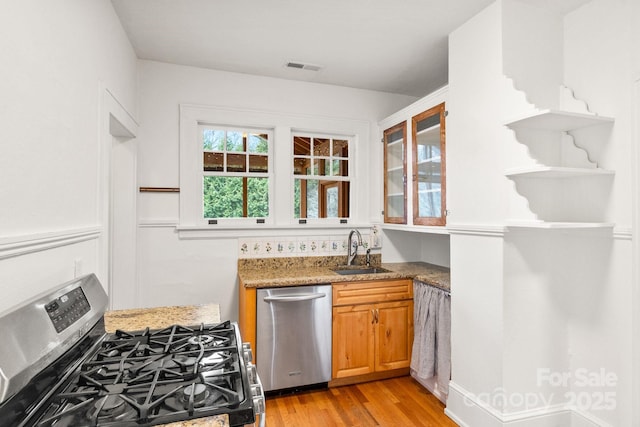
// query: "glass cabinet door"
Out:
[429,183]
[395,173]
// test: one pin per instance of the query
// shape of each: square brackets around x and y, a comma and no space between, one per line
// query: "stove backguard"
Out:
[38,332]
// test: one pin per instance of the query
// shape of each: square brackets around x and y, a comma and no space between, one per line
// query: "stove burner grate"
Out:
[155,377]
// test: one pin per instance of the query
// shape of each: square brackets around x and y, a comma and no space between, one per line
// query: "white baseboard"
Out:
[431,384]
[467,411]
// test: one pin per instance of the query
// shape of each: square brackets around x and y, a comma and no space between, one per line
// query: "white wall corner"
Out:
[569,102]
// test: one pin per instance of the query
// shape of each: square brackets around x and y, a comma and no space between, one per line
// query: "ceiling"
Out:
[383,45]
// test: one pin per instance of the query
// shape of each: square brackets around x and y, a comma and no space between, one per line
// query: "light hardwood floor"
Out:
[400,402]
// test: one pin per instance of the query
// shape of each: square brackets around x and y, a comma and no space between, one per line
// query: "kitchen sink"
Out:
[349,270]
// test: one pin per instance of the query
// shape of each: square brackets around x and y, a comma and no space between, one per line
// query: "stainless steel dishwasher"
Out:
[293,336]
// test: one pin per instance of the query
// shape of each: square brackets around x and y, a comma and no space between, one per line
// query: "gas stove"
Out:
[75,374]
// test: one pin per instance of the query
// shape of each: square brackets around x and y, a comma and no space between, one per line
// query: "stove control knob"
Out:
[258,399]
[246,352]
[252,373]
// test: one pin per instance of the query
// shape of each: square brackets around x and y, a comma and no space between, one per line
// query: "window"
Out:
[235,172]
[321,171]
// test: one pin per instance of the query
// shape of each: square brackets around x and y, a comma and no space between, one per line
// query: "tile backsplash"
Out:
[292,246]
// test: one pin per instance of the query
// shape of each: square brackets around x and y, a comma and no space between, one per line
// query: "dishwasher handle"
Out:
[294,298]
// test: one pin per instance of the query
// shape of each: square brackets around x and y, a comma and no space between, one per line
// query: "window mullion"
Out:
[245,196]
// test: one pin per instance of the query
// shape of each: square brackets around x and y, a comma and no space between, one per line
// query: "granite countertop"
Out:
[276,272]
[161,317]
[137,319]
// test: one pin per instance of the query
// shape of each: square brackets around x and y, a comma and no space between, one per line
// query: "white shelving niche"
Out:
[550,174]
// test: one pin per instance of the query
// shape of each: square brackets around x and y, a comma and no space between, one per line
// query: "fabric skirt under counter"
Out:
[431,353]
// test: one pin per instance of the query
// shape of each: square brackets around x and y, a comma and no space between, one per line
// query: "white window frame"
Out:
[240,221]
[192,224]
[348,178]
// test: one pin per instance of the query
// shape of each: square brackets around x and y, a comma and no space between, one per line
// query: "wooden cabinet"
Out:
[372,329]
[395,174]
[414,141]
[429,161]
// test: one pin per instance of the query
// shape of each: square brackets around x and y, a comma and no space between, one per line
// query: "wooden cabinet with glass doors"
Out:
[395,174]
[427,168]
[428,171]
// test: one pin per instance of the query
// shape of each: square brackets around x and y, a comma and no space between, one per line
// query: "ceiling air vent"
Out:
[303,66]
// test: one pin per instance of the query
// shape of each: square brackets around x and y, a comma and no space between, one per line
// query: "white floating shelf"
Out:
[559,225]
[555,172]
[555,120]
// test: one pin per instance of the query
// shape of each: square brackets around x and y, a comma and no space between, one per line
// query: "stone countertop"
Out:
[271,272]
[138,319]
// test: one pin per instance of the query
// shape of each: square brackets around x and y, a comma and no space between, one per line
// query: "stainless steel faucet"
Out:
[352,256]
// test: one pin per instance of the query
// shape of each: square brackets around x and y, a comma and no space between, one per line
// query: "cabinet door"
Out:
[428,171]
[395,174]
[353,340]
[394,335]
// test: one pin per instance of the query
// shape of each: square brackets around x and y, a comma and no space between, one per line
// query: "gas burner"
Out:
[185,362]
[196,393]
[200,339]
[110,407]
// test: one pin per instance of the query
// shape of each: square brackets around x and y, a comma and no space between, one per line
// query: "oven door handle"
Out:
[294,298]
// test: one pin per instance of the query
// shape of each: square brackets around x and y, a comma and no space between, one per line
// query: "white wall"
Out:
[601,32]
[476,192]
[554,301]
[189,271]
[56,57]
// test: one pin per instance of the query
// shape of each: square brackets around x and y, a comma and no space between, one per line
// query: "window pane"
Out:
[305,203]
[258,143]
[340,168]
[300,166]
[213,140]
[235,141]
[222,197]
[236,162]
[301,146]
[321,167]
[213,161]
[321,147]
[340,148]
[258,197]
[321,198]
[258,163]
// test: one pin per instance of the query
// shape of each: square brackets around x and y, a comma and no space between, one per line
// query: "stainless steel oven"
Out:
[58,367]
